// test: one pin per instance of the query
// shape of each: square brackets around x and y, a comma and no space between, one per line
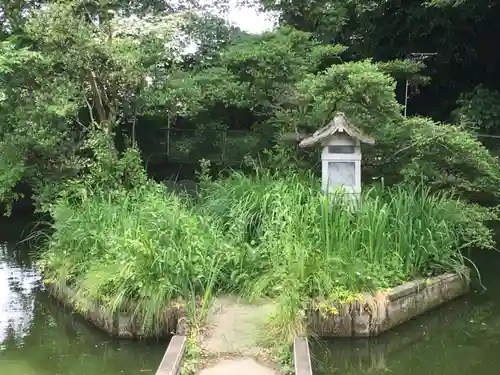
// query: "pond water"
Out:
[461,338]
[39,337]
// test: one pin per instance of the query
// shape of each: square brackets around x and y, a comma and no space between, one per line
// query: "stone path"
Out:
[233,329]
[241,366]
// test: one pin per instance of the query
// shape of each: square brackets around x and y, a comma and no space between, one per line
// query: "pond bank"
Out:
[123,324]
[377,313]
[39,337]
[233,326]
[232,336]
[459,338]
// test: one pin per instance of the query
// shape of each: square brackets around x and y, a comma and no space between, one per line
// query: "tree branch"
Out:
[101,111]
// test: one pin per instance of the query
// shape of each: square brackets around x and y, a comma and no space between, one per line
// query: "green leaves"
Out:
[76,68]
[280,56]
[359,89]
[405,69]
[416,149]
[479,110]
[447,157]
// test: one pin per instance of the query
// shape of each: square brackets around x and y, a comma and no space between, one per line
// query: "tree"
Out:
[70,75]
[237,89]
[76,73]
[414,150]
[461,32]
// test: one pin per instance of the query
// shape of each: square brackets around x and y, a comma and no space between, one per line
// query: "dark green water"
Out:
[38,337]
[461,338]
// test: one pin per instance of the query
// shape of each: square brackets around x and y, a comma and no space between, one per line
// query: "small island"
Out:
[281,255]
[236,195]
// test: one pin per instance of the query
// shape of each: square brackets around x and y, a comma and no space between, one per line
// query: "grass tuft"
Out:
[261,236]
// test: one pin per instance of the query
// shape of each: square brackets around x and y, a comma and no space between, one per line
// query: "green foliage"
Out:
[405,69]
[459,31]
[96,77]
[239,89]
[252,73]
[142,248]
[325,17]
[136,250]
[445,3]
[331,244]
[276,57]
[64,76]
[447,157]
[359,89]
[408,149]
[105,172]
[305,247]
[479,110]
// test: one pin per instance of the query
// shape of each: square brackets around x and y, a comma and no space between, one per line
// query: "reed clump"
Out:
[265,235]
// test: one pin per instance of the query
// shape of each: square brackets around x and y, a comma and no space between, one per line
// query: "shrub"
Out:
[264,235]
[142,247]
[302,246]
[296,232]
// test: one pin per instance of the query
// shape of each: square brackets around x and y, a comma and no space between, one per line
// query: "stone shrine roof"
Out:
[338,124]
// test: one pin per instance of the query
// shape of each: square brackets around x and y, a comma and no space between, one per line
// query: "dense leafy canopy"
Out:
[461,33]
[93,92]
[79,80]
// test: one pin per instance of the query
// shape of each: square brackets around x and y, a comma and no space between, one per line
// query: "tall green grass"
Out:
[143,248]
[396,234]
[303,245]
[264,235]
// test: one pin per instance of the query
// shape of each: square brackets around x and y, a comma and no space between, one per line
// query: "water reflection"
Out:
[17,297]
[462,338]
[40,337]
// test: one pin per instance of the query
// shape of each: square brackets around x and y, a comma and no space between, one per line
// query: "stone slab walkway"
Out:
[233,330]
[240,366]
